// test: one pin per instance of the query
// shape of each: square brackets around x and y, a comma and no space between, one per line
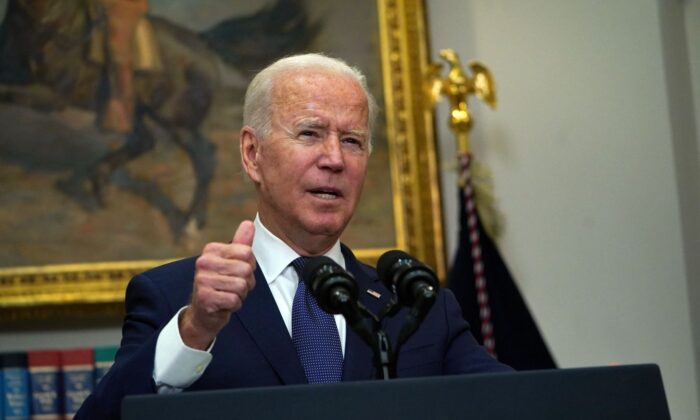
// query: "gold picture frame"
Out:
[90,289]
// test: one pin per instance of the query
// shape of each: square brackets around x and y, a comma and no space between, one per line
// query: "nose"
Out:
[332,154]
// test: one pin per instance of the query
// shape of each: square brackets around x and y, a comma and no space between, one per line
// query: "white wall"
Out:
[584,148]
[692,27]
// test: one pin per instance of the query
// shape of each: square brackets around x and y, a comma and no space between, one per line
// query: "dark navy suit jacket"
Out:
[255,349]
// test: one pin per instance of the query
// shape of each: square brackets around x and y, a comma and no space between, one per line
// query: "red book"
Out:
[45,384]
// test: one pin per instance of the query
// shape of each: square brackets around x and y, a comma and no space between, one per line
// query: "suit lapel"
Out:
[261,318]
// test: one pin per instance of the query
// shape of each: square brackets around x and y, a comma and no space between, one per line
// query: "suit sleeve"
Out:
[463,353]
[147,311]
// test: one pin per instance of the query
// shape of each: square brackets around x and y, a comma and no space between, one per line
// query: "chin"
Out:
[326,227]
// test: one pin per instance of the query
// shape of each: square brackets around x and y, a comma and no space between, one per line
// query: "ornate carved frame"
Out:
[95,289]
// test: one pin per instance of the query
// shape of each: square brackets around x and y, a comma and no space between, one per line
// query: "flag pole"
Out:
[457,87]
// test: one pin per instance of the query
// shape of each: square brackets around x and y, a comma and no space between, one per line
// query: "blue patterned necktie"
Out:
[315,335]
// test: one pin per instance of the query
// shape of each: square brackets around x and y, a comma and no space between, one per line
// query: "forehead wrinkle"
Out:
[293,98]
[311,122]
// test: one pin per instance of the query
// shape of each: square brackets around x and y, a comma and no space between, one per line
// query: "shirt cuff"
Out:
[177,366]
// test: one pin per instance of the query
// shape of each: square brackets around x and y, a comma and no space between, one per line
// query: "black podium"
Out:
[620,393]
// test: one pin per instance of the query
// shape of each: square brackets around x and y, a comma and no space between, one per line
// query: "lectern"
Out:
[619,393]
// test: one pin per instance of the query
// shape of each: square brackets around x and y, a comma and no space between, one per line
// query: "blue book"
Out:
[45,381]
[78,378]
[15,383]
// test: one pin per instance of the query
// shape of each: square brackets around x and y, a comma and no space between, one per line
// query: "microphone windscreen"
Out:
[334,288]
[387,261]
[313,264]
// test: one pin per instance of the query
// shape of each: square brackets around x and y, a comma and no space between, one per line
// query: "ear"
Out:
[250,152]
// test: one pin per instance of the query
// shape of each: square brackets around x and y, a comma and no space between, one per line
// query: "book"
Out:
[104,359]
[15,384]
[78,378]
[44,377]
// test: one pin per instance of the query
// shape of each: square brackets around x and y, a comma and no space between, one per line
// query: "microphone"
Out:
[335,289]
[414,283]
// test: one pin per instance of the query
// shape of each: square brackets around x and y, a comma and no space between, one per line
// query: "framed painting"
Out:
[117,156]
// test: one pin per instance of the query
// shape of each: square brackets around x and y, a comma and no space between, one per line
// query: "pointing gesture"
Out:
[223,277]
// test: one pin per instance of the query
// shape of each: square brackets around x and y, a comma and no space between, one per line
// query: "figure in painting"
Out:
[142,76]
[130,46]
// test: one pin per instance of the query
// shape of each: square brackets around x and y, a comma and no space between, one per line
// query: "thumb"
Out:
[244,234]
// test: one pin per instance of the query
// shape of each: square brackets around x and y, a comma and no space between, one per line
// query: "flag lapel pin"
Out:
[374,293]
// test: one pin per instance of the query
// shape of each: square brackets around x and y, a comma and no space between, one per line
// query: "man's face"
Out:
[310,169]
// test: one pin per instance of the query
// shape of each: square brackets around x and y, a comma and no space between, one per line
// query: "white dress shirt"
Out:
[177,366]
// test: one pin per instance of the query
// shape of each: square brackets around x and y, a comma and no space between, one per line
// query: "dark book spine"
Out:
[45,380]
[15,384]
[78,378]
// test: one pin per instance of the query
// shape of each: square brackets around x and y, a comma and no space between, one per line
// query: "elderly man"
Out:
[224,321]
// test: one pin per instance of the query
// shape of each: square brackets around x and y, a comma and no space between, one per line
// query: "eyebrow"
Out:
[319,124]
[357,133]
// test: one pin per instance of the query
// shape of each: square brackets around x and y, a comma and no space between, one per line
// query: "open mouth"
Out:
[326,193]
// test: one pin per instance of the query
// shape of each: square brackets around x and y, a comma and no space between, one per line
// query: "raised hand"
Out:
[223,277]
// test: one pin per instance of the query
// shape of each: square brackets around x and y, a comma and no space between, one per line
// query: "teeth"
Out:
[325,195]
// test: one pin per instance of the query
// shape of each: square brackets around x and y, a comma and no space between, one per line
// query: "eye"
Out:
[354,142]
[308,133]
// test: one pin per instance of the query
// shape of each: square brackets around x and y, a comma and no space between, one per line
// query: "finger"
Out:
[229,251]
[224,284]
[251,280]
[212,301]
[238,252]
[224,266]
[216,248]
[244,234]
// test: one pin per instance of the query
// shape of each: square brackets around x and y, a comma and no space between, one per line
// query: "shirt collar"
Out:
[274,256]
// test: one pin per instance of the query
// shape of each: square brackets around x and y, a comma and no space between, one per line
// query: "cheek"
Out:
[287,179]
[359,173]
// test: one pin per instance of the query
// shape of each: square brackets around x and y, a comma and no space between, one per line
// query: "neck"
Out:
[302,242]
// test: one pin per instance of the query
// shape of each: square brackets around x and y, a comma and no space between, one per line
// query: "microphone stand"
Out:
[385,361]
[368,326]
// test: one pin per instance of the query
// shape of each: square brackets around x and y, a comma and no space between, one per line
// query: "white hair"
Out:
[258,98]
